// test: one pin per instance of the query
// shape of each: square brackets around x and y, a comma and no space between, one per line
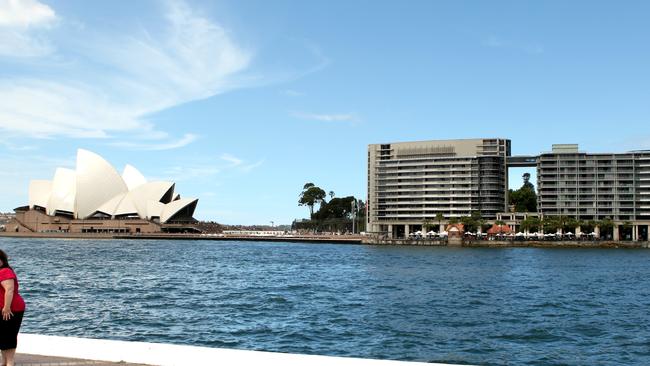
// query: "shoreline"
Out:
[350,240]
[163,354]
[342,239]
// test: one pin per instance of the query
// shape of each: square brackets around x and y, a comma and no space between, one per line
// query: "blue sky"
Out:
[242,102]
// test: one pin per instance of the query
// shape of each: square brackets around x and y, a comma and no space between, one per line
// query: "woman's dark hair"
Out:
[4,259]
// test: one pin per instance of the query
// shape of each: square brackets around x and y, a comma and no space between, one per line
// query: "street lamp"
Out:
[354,214]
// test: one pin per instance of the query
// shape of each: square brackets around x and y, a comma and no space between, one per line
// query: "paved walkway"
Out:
[35,360]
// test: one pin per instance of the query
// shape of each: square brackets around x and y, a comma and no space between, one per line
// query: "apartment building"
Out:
[412,182]
[596,186]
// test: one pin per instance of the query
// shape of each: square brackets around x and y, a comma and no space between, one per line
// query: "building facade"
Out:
[412,182]
[596,186]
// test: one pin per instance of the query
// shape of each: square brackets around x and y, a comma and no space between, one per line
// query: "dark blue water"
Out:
[476,306]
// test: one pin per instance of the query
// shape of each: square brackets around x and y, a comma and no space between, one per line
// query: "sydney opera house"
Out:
[95,198]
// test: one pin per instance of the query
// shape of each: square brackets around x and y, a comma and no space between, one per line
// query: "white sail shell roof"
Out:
[95,186]
[152,191]
[97,182]
[132,177]
[109,207]
[174,207]
[63,191]
[39,193]
[154,209]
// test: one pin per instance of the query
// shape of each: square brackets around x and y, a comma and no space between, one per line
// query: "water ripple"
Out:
[468,306]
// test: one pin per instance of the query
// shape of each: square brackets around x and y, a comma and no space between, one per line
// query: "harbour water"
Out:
[510,306]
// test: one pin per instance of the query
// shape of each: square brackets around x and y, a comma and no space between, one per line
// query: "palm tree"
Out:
[439,218]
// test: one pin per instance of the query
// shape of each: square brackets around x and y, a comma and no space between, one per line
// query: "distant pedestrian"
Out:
[13,308]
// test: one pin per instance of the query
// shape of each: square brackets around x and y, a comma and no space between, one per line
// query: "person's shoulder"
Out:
[6,273]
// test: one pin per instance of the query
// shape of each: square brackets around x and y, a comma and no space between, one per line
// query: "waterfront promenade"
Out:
[42,350]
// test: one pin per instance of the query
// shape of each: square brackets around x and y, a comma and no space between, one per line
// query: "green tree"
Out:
[551,224]
[336,208]
[588,226]
[439,218]
[524,199]
[469,223]
[569,223]
[310,196]
[531,223]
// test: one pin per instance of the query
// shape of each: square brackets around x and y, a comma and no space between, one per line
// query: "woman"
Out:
[13,308]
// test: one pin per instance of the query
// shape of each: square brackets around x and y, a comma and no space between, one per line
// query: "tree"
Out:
[524,199]
[310,196]
[439,218]
[569,223]
[551,224]
[336,208]
[427,225]
[531,223]
[454,220]
[331,194]
[470,223]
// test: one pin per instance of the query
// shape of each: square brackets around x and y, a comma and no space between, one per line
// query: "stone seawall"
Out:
[513,243]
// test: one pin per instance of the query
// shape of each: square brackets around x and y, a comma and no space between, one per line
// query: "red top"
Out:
[17,304]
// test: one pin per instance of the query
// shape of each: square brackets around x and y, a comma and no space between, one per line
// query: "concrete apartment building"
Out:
[596,186]
[411,182]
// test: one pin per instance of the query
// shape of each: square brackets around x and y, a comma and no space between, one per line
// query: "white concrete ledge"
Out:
[177,355]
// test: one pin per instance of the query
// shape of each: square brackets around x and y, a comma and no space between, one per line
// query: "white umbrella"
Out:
[520,234]
[444,233]
[431,233]
[569,234]
[418,233]
[593,233]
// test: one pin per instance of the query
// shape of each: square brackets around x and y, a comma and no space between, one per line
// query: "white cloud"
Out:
[173,144]
[496,42]
[189,172]
[344,117]
[292,93]
[22,44]
[247,168]
[140,74]
[25,13]
[20,25]
[240,164]
[234,161]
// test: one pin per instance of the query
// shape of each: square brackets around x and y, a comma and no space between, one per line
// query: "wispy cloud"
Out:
[180,173]
[496,42]
[234,161]
[192,58]
[21,26]
[25,13]
[342,117]
[292,93]
[247,168]
[172,144]
[240,164]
